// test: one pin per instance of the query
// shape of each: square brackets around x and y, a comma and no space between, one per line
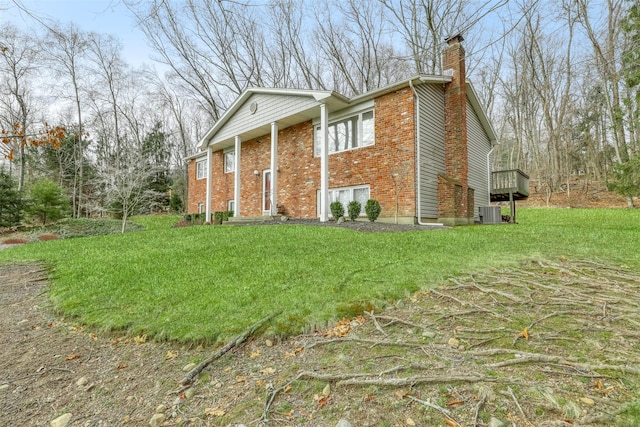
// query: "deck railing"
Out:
[510,181]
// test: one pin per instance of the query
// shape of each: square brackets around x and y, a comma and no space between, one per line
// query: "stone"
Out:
[189,393]
[4,387]
[588,401]
[428,334]
[157,420]
[82,381]
[453,342]
[188,367]
[343,423]
[62,420]
[268,343]
[340,220]
[326,391]
[284,218]
[494,422]
[161,409]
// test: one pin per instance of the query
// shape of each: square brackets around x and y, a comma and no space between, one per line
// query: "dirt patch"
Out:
[549,343]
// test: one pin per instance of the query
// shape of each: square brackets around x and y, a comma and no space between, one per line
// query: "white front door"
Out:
[266,192]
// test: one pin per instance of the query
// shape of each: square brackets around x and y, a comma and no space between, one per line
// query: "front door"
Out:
[266,192]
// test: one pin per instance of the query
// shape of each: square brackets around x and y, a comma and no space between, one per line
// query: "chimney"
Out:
[455,145]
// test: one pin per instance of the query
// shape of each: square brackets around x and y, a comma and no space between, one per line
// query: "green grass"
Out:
[208,283]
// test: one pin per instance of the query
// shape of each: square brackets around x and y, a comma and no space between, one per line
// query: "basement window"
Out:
[344,195]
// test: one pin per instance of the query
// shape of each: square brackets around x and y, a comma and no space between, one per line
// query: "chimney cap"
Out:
[457,38]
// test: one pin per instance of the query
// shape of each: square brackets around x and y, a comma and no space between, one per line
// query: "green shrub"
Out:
[337,210]
[372,209]
[218,217]
[175,203]
[354,208]
[11,202]
[47,201]
[226,215]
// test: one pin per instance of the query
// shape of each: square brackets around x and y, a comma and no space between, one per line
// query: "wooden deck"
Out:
[509,185]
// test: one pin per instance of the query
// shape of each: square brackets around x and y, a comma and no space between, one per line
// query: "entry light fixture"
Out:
[256,173]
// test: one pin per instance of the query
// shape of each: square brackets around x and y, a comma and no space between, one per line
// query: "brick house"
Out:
[420,147]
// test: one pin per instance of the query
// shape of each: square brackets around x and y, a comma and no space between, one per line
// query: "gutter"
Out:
[416,125]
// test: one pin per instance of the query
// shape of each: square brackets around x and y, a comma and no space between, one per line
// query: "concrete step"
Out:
[251,219]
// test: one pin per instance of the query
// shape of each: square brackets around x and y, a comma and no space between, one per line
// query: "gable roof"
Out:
[298,105]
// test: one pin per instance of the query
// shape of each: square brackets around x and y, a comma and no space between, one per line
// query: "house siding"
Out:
[479,147]
[431,123]
[271,108]
[197,188]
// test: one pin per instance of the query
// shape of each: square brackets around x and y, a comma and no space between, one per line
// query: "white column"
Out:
[236,181]
[324,164]
[209,169]
[274,169]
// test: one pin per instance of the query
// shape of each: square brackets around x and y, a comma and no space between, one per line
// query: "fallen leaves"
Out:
[214,412]
[72,356]
[171,355]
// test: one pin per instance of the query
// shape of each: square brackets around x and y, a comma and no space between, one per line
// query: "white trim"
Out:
[230,150]
[236,178]
[359,131]
[324,163]
[201,169]
[231,206]
[208,201]
[274,169]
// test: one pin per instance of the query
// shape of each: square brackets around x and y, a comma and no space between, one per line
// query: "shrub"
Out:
[218,217]
[10,202]
[47,201]
[354,208]
[337,210]
[372,209]
[175,203]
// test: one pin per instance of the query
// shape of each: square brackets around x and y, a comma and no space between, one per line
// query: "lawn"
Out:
[207,283]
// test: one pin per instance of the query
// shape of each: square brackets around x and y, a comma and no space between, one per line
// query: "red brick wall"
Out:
[455,106]
[299,171]
[197,189]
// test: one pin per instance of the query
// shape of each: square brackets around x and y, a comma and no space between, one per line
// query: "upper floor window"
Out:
[201,169]
[229,161]
[347,133]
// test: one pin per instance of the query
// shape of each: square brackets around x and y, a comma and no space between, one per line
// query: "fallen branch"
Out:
[188,379]
[375,322]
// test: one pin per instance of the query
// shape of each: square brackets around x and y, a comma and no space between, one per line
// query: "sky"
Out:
[100,16]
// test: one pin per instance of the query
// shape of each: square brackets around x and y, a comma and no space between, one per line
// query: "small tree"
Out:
[354,208]
[175,204]
[372,209]
[47,201]
[627,179]
[337,210]
[10,202]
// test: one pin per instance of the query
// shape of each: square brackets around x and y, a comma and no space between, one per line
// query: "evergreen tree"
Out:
[10,202]
[47,201]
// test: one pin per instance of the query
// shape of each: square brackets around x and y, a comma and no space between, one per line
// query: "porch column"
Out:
[209,169]
[273,196]
[324,164]
[236,180]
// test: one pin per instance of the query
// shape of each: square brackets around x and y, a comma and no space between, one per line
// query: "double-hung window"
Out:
[201,169]
[229,161]
[347,133]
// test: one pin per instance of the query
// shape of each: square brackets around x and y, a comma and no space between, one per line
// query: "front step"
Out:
[252,219]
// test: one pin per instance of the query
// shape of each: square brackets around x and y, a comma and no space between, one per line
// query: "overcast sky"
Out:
[101,16]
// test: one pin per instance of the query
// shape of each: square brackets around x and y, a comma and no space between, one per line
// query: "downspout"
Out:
[416,124]
[489,172]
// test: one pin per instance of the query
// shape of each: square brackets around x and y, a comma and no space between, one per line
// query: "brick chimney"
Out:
[455,197]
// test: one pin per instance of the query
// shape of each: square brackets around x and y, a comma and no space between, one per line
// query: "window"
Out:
[348,194]
[200,207]
[229,161]
[231,205]
[348,133]
[201,169]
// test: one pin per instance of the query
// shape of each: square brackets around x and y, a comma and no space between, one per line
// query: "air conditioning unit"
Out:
[490,214]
